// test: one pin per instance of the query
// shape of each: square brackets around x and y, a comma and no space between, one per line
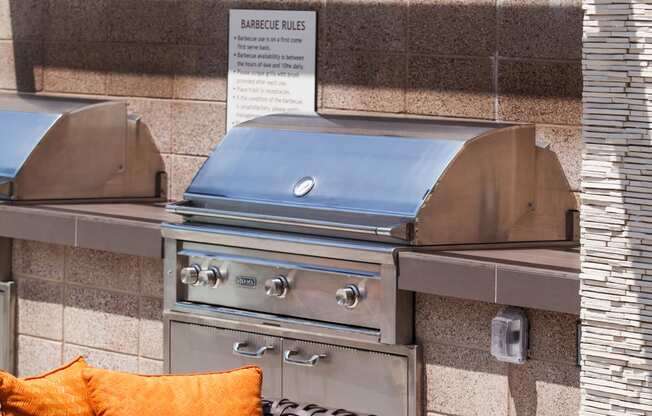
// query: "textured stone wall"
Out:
[616,232]
[74,302]
[463,379]
[516,60]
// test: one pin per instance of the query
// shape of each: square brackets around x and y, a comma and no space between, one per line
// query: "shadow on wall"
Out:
[469,47]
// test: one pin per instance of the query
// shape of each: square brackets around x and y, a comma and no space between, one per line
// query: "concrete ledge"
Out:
[120,228]
[538,278]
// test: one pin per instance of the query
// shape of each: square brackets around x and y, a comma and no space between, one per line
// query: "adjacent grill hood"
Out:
[74,149]
[418,182]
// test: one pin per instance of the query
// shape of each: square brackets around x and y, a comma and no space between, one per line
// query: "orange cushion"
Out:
[230,393]
[60,392]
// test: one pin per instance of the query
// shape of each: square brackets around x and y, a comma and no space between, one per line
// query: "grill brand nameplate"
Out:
[304,186]
[247,282]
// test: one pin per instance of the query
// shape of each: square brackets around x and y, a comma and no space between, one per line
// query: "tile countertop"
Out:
[542,278]
[120,228]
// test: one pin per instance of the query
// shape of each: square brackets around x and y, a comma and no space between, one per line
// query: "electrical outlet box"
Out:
[509,335]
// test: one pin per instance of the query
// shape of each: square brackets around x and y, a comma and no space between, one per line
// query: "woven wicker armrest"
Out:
[285,407]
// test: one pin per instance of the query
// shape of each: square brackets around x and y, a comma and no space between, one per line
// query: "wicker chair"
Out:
[285,407]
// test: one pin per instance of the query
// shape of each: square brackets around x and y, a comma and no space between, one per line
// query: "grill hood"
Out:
[73,149]
[418,182]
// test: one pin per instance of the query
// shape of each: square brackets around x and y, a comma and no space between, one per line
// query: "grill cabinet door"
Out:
[198,348]
[338,377]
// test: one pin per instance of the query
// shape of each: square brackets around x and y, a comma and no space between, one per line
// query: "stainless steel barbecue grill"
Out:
[71,149]
[294,227]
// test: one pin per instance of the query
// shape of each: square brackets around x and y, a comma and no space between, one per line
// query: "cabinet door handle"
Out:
[238,350]
[307,362]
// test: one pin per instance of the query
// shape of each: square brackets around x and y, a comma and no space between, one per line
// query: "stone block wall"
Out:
[513,60]
[74,302]
[616,206]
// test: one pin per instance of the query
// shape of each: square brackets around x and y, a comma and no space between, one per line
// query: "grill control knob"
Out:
[211,277]
[190,274]
[277,286]
[348,296]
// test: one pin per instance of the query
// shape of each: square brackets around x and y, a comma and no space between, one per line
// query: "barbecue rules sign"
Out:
[271,63]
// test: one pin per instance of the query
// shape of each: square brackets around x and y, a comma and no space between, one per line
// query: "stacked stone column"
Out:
[616,345]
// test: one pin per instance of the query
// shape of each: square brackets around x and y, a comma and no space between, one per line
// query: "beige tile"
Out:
[184,169]
[453,87]
[37,356]
[454,321]
[201,73]
[544,389]
[208,21]
[151,277]
[151,328]
[102,269]
[369,25]
[566,142]
[6,29]
[540,29]
[102,359]
[197,127]
[76,67]
[101,319]
[453,27]
[363,81]
[157,114]
[146,366]
[543,92]
[147,21]
[142,70]
[22,19]
[21,66]
[42,260]
[553,336]
[40,308]
[73,20]
[464,382]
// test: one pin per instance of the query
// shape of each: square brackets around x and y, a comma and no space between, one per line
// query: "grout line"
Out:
[495,58]
[488,352]
[39,337]
[74,344]
[105,289]
[76,243]
[495,88]
[496,285]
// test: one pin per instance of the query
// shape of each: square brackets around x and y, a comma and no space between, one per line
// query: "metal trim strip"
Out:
[278,263]
[361,251]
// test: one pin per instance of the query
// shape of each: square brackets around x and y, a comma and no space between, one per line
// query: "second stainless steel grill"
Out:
[288,256]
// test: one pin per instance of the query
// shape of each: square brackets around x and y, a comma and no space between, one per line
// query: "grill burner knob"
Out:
[348,296]
[190,274]
[211,277]
[277,286]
